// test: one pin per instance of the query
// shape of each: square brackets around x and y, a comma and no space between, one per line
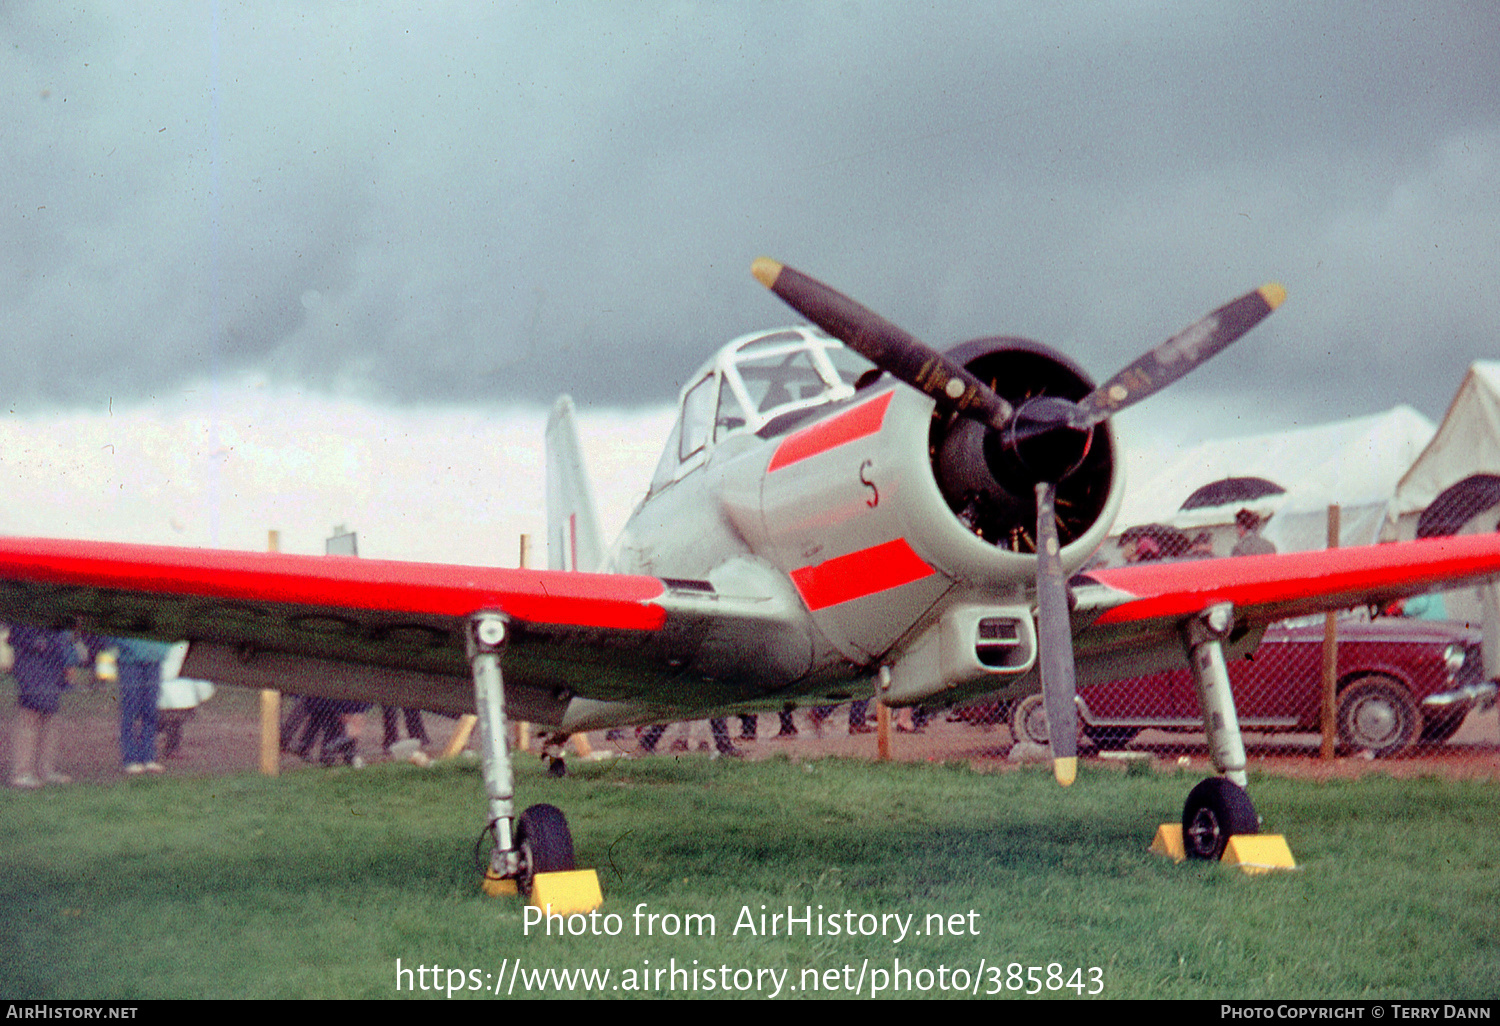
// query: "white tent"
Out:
[1355,463]
[1465,448]
[1467,443]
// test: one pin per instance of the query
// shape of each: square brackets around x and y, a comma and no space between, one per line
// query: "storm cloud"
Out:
[461,204]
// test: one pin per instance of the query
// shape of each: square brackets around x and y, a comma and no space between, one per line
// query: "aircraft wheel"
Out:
[1216,810]
[1377,714]
[545,844]
[1028,721]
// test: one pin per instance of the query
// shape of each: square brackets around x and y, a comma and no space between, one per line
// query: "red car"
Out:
[1400,682]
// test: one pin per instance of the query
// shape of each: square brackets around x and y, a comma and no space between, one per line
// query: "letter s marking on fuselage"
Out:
[874,499]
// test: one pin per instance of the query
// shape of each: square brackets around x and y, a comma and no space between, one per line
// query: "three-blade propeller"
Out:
[1048,435]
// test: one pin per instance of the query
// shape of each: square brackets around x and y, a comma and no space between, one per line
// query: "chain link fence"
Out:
[1410,700]
[1384,725]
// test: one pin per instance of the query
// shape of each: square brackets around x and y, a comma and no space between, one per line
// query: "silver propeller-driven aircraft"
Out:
[840,512]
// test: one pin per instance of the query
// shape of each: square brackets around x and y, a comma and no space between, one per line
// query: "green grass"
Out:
[316,883]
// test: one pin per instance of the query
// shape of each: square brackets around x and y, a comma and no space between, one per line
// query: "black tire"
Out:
[545,844]
[1028,721]
[1111,739]
[1216,810]
[1377,714]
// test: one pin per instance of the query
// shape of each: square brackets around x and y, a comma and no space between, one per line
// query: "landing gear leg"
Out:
[486,642]
[540,842]
[1217,808]
[1205,636]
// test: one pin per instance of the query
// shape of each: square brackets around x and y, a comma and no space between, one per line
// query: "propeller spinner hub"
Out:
[1042,438]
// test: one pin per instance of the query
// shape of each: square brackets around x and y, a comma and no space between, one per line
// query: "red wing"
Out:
[353,628]
[1268,588]
[356,586]
[392,632]
[1129,621]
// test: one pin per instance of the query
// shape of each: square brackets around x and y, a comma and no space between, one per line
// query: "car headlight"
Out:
[1453,655]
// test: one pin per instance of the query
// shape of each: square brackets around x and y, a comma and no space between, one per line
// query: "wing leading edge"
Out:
[364,585]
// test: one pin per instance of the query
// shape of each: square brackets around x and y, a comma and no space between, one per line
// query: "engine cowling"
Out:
[988,477]
[883,513]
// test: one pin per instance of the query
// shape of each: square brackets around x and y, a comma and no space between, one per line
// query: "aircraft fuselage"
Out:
[837,514]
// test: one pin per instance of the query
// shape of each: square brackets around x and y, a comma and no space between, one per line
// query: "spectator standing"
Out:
[139,666]
[857,717]
[1248,523]
[39,661]
[415,728]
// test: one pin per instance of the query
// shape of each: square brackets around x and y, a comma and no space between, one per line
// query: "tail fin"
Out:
[572,525]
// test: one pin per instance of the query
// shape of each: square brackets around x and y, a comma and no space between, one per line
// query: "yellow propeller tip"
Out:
[1273,294]
[1065,770]
[766,271]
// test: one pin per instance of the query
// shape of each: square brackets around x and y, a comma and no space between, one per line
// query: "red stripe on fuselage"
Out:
[860,422]
[858,574]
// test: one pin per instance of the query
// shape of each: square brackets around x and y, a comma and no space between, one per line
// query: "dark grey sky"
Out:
[461,203]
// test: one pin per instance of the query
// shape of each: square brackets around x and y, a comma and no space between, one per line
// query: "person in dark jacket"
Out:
[40,661]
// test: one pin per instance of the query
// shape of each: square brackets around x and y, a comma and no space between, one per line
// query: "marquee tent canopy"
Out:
[1355,463]
[1466,444]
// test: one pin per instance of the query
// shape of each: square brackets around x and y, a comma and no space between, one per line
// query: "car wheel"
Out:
[1377,714]
[1028,721]
[1111,739]
[1216,810]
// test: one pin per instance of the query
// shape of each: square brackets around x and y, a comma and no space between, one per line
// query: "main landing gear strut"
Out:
[1218,808]
[539,842]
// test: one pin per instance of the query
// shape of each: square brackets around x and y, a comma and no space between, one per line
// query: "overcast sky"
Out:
[442,215]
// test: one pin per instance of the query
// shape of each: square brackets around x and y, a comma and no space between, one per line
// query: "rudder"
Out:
[572,523]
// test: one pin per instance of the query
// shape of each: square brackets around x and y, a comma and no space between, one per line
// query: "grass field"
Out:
[317,883]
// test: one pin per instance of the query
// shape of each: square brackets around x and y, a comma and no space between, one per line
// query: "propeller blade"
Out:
[884,344]
[1055,639]
[1178,355]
